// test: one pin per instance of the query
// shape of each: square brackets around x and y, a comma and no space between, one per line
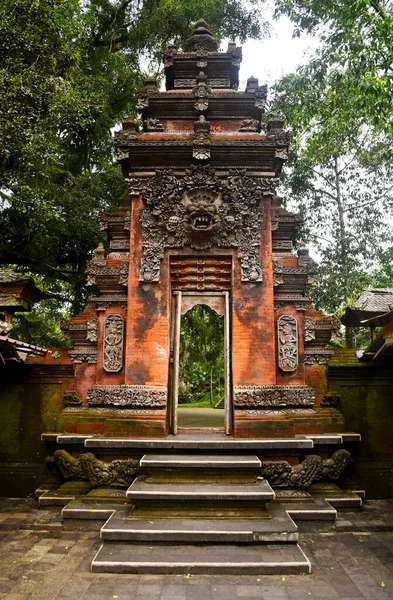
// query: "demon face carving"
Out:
[201,211]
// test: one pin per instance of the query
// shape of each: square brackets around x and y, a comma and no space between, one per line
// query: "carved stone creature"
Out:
[304,474]
[335,465]
[276,471]
[281,474]
[68,465]
[201,211]
[96,472]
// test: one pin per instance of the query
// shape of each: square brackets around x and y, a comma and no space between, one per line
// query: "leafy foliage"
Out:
[68,73]
[339,109]
[201,361]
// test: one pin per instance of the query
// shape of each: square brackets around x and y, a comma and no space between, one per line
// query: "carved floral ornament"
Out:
[201,211]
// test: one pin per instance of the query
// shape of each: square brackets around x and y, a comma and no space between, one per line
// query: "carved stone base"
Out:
[135,396]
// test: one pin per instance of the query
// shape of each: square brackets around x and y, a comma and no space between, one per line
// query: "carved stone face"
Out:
[202,214]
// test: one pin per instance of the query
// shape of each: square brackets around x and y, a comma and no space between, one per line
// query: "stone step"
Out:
[248,559]
[201,461]
[200,530]
[77,509]
[140,489]
[64,494]
[196,441]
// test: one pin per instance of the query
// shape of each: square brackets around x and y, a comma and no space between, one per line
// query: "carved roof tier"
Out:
[220,104]
[221,68]
[254,152]
[201,52]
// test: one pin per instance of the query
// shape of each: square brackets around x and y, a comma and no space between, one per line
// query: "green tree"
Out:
[68,74]
[201,361]
[339,173]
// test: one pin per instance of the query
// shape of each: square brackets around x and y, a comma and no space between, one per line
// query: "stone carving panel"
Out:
[309,329]
[202,211]
[113,343]
[321,356]
[92,330]
[138,396]
[80,355]
[71,398]
[273,396]
[278,273]
[288,350]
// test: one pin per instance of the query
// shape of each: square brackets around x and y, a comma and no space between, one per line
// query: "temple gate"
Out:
[202,224]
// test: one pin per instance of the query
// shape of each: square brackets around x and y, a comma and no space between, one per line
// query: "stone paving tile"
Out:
[55,565]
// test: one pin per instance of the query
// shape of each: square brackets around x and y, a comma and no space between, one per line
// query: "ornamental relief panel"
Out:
[113,343]
[288,350]
[201,211]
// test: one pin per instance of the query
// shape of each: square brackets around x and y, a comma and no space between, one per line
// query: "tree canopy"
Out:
[68,75]
[339,107]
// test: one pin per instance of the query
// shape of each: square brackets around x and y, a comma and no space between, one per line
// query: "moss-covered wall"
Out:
[31,397]
[366,391]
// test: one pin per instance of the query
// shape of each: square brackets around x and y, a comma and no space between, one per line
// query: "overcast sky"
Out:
[270,59]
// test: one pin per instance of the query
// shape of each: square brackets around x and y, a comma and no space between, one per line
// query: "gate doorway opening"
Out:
[200,366]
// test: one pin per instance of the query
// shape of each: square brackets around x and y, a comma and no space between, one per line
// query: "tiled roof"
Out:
[8,276]
[375,300]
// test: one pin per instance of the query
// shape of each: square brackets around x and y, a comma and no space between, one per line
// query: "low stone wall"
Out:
[31,398]
[366,391]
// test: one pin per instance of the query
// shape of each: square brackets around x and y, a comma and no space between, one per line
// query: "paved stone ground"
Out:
[38,560]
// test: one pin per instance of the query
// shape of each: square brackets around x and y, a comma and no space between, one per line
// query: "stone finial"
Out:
[275,122]
[150,82]
[99,252]
[201,78]
[252,84]
[201,39]
[303,251]
[130,124]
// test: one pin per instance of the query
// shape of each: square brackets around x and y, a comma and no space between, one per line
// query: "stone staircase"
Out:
[199,514]
[199,504]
